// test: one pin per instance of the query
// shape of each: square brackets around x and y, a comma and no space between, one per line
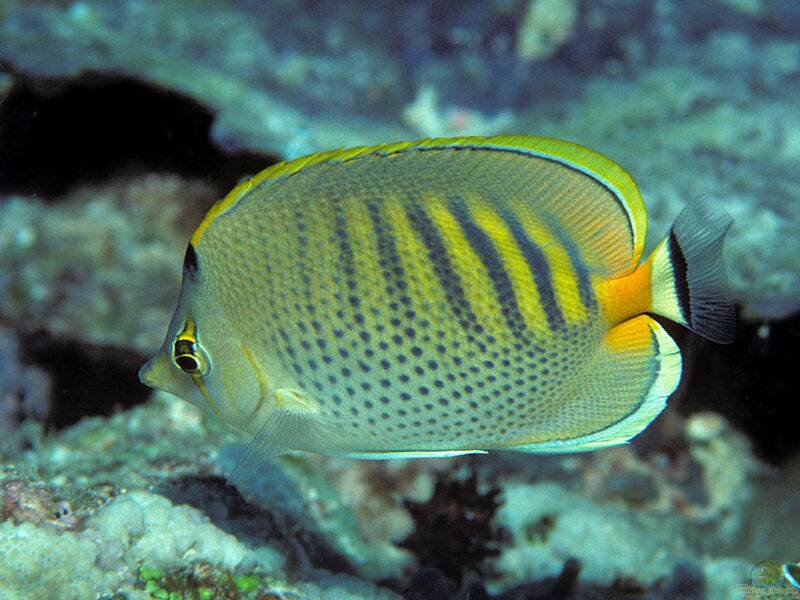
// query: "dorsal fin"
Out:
[592,200]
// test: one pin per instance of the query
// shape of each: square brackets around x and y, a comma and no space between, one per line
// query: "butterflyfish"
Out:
[440,297]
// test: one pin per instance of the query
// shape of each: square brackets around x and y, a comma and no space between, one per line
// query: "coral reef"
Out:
[297,523]
[426,117]
[103,247]
[22,503]
[548,521]
[545,27]
[727,466]
[121,121]
[139,538]
[25,391]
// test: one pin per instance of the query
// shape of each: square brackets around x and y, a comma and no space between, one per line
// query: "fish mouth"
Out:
[146,374]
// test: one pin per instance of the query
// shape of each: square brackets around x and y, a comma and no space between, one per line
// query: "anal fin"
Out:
[639,368]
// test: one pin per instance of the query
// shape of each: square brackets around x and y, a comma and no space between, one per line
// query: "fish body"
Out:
[439,297]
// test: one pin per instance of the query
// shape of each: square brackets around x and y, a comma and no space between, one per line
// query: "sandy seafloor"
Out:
[121,121]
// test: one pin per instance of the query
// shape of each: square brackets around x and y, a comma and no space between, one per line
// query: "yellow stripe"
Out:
[515,266]
[564,277]
[422,281]
[478,287]
[369,282]
[198,381]
[231,396]
[597,166]
[614,177]
[263,384]
[365,249]
[321,253]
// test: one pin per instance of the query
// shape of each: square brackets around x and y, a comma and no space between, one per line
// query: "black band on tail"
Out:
[680,273]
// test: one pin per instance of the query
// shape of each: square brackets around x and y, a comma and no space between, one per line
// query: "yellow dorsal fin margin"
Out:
[593,164]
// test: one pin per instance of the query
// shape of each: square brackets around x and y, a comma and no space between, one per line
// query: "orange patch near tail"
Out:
[628,296]
[630,335]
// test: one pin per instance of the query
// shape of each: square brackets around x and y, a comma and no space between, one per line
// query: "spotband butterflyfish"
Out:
[440,297]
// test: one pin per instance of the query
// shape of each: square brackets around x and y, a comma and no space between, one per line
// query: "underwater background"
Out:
[122,121]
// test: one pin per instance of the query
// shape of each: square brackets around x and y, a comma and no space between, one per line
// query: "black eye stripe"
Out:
[183,347]
[188,353]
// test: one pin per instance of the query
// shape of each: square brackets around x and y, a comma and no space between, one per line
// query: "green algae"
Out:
[202,581]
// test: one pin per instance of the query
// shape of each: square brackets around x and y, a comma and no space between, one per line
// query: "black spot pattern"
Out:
[365,307]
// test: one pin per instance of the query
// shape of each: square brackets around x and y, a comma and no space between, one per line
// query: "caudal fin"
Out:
[689,281]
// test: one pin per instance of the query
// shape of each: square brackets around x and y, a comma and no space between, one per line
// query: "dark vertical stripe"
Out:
[302,233]
[679,272]
[585,291]
[301,259]
[388,257]
[345,247]
[346,295]
[450,281]
[540,271]
[484,247]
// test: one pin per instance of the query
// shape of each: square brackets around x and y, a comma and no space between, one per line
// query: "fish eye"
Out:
[188,355]
[187,363]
